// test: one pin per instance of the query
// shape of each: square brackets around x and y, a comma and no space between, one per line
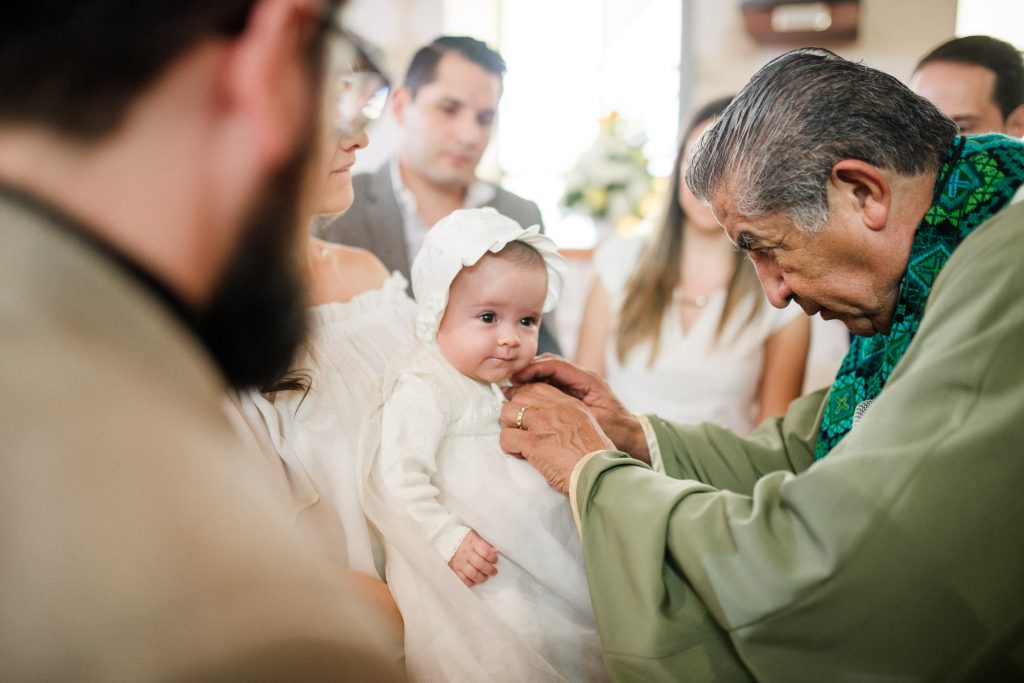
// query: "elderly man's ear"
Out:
[266,90]
[863,188]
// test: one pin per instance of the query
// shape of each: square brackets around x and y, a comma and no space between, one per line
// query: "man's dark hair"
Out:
[998,56]
[76,66]
[423,68]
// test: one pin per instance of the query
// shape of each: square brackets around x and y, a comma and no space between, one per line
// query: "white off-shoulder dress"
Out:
[439,473]
[319,433]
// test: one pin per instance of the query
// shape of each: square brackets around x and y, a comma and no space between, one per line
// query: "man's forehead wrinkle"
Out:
[730,229]
[723,210]
[723,205]
[720,222]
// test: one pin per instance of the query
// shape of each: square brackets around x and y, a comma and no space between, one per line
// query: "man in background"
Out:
[152,166]
[978,81]
[445,109]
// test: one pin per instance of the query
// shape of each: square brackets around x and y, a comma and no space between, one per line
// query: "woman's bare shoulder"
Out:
[362,260]
[341,272]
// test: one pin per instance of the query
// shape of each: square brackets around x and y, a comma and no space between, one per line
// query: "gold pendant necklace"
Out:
[700,301]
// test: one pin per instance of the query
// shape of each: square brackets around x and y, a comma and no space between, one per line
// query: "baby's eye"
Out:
[486,317]
[528,322]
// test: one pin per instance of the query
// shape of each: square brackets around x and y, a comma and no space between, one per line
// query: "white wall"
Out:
[1003,19]
[398,28]
[892,36]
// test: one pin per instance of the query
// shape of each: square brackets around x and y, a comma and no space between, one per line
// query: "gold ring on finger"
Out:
[519,418]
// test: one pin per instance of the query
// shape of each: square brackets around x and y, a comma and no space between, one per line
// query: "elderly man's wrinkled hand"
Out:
[551,430]
[620,425]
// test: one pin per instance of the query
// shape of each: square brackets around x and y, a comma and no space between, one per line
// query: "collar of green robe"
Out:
[978,177]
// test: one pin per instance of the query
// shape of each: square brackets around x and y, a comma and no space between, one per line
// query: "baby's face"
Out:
[489,329]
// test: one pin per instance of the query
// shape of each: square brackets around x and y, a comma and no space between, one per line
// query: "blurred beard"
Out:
[257,316]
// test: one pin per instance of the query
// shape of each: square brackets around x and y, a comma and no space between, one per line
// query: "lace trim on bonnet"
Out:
[460,240]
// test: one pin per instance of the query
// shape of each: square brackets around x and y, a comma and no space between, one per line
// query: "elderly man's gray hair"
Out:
[776,144]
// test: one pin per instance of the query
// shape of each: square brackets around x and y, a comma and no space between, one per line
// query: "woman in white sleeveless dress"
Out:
[360,316]
[677,323]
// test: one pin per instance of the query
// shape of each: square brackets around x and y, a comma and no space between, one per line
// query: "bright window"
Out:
[572,62]
[999,18]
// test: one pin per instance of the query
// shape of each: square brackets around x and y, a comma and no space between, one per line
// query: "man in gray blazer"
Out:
[445,109]
[152,159]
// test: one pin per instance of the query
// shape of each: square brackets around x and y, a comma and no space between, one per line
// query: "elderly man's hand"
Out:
[621,426]
[552,430]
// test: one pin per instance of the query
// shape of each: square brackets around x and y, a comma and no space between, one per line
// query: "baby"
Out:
[483,557]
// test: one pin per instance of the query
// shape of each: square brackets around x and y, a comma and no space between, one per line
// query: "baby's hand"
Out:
[474,561]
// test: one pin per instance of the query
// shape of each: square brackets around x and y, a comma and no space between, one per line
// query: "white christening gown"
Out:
[439,472]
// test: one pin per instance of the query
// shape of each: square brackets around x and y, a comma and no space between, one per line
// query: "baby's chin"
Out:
[498,372]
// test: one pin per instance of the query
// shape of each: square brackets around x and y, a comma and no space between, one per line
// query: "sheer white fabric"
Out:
[317,433]
[694,378]
[439,472]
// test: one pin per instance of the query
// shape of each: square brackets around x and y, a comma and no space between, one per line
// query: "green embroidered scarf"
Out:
[978,176]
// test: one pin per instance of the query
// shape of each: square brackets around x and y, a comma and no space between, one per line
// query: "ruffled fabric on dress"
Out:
[317,433]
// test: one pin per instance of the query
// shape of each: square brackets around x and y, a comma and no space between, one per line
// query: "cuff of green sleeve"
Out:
[574,479]
[657,464]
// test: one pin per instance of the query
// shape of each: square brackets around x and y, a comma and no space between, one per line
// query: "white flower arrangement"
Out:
[610,181]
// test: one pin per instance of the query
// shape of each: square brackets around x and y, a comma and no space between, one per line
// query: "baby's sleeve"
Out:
[412,429]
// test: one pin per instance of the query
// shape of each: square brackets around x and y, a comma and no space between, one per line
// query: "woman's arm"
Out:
[595,329]
[785,357]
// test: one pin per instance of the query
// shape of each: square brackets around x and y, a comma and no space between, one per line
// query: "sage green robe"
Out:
[899,557]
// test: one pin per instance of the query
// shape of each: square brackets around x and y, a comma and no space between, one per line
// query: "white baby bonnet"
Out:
[459,240]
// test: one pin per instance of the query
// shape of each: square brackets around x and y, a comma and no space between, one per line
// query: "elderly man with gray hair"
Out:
[874,531]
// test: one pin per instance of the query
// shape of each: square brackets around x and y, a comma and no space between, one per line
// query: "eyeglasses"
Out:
[356,84]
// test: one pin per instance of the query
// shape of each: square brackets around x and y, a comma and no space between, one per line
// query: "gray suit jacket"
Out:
[141,539]
[374,223]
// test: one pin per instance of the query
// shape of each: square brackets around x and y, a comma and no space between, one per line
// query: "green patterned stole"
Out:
[978,176]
